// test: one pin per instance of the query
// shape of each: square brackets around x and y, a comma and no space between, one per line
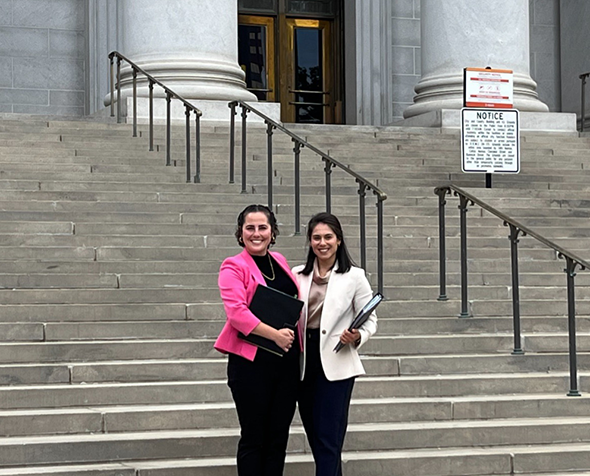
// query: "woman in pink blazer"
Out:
[263,385]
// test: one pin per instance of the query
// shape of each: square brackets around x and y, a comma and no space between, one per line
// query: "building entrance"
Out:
[293,59]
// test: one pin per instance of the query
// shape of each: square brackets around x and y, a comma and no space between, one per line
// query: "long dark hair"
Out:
[343,258]
[253,209]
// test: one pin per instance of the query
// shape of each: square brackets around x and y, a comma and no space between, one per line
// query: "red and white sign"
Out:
[489,88]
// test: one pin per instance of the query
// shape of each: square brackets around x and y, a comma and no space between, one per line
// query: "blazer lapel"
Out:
[254,270]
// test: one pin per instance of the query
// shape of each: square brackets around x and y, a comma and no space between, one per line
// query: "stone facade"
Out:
[42,57]
[53,55]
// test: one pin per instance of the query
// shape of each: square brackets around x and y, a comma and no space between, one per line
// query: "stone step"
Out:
[121,279]
[135,418]
[173,369]
[171,329]
[176,348]
[467,344]
[221,442]
[141,311]
[103,296]
[455,462]
[60,395]
[203,328]
[223,242]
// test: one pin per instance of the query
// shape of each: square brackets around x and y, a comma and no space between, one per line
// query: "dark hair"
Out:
[343,258]
[254,209]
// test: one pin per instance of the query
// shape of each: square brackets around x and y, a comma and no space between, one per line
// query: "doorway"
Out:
[306,77]
[292,60]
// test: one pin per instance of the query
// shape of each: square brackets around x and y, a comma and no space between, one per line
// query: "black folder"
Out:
[362,316]
[275,309]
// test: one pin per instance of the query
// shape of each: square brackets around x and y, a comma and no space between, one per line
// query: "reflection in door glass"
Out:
[309,75]
[252,57]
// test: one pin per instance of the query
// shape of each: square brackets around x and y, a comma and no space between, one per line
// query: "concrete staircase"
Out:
[109,305]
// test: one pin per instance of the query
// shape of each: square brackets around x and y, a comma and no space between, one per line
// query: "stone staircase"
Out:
[109,304]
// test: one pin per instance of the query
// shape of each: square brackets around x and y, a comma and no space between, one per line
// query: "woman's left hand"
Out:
[350,337]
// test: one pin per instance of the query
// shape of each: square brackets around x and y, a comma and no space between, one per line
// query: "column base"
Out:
[529,121]
[445,91]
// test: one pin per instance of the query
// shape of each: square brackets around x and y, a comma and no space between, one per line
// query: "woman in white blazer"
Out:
[334,291]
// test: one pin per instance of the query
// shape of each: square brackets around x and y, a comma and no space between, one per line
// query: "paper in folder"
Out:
[362,316]
[275,309]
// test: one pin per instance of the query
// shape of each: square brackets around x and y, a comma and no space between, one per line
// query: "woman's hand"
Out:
[350,337]
[284,338]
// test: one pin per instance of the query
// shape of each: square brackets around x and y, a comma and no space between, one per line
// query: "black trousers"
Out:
[323,406]
[265,394]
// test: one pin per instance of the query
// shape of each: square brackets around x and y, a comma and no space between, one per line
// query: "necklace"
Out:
[272,270]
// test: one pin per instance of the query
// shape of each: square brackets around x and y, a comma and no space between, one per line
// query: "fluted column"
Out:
[465,33]
[190,45]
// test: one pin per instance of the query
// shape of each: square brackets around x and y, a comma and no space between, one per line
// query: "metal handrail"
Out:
[329,164]
[516,229]
[583,77]
[189,109]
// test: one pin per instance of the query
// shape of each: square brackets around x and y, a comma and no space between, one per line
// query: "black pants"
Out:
[265,394]
[323,406]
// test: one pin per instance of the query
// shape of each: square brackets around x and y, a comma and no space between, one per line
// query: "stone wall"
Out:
[42,56]
[575,54]
[405,54]
[545,54]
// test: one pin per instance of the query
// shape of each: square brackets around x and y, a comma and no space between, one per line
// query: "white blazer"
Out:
[346,295]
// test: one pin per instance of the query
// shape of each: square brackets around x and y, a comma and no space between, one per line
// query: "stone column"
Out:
[190,45]
[465,33]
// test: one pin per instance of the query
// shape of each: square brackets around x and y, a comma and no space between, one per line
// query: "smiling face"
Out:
[256,233]
[324,244]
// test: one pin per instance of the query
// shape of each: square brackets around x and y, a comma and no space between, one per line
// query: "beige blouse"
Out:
[317,294]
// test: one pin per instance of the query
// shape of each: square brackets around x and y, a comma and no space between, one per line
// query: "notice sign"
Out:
[488,88]
[490,140]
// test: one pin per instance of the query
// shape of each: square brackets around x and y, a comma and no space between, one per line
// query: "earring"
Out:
[240,240]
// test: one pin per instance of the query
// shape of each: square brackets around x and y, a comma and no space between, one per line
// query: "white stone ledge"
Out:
[529,121]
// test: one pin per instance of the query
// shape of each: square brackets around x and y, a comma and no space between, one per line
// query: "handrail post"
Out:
[297,153]
[571,318]
[442,243]
[168,129]
[232,141]
[463,203]
[112,85]
[513,237]
[269,132]
[362,191]
[151,87]
[583,118]
[134,102]
[328,172]
[118,90]
[244,151]
[187,113]
[380,284]
[197,178]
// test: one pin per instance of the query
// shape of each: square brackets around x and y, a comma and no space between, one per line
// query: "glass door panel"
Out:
[307,79]
[256,55]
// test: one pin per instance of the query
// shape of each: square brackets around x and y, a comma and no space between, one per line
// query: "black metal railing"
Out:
[516,229]
[117,57]
[329,163]
[583,77]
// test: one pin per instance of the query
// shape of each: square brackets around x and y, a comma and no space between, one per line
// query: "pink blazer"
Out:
[238,278]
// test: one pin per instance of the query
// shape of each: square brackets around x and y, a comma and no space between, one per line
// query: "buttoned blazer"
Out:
[239,276]
[346,295]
